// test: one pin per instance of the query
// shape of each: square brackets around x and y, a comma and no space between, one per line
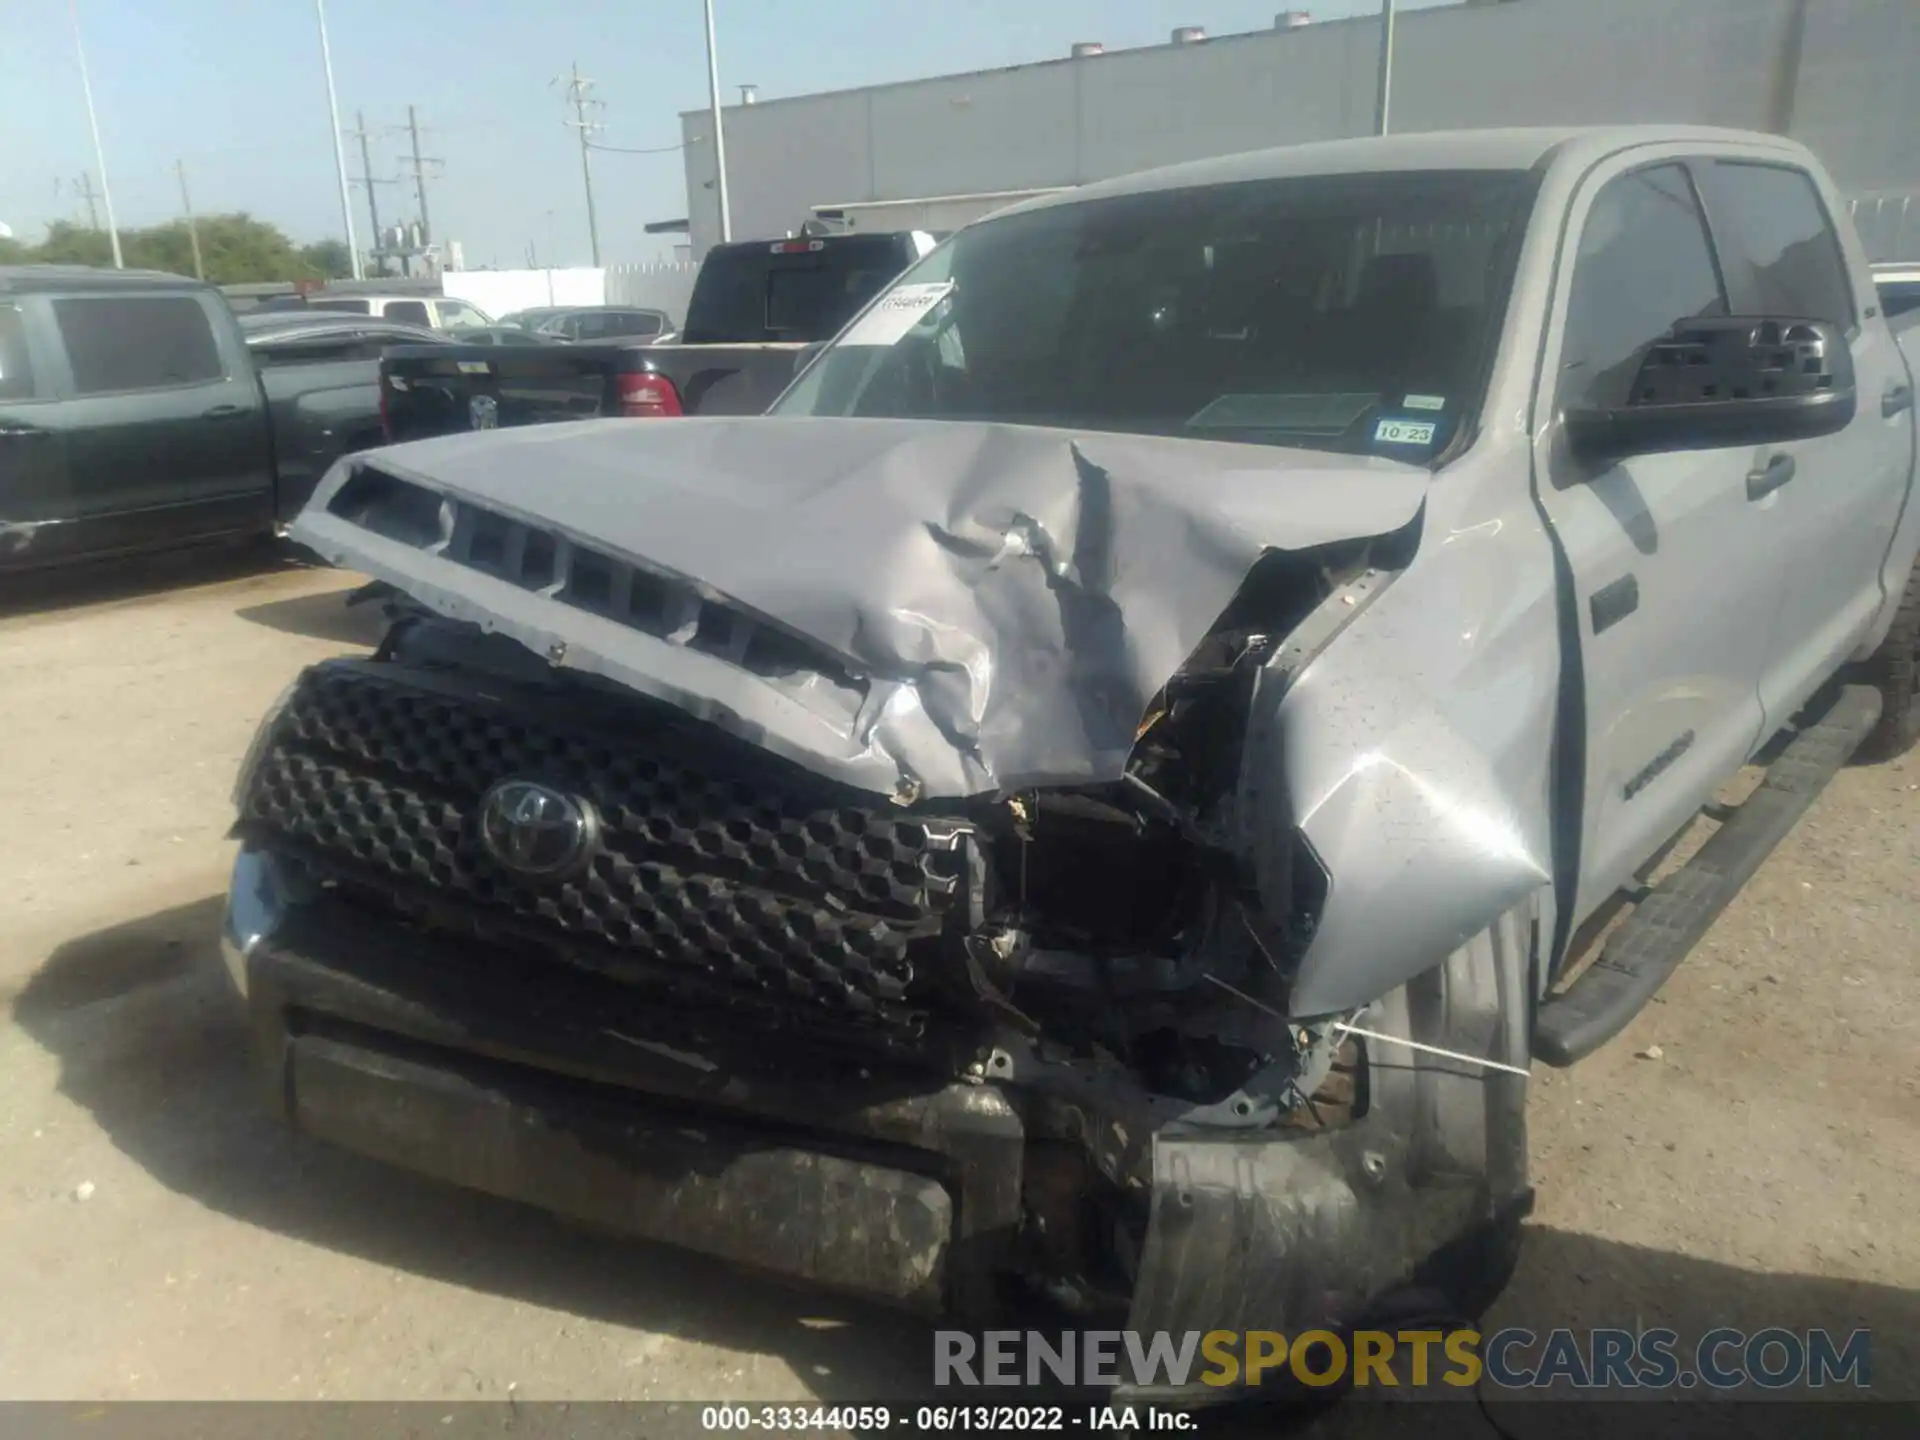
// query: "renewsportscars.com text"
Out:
[1597,1359]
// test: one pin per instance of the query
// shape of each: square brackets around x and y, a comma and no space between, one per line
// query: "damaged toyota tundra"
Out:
[1101,793]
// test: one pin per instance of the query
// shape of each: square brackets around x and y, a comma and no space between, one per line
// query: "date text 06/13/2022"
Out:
[996,1419]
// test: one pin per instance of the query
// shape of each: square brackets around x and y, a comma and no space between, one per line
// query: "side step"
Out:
[1652,941]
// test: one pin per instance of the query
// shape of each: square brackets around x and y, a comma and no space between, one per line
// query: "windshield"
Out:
[1343,312]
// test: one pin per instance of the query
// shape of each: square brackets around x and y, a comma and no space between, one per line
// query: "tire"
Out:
[1894,670]
[1481,1002]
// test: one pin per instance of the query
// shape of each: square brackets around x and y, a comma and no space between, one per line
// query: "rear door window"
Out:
[137,342]
[344,307]
[16,361]
[1777,246]
[408,312]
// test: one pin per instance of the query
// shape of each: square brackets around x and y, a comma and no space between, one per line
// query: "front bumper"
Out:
[420,1052]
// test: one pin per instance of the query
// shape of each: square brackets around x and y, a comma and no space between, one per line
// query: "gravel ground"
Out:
[159,1239]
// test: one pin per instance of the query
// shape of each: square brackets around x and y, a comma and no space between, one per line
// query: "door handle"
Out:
[223,412]
[1763,480]
[1895,399]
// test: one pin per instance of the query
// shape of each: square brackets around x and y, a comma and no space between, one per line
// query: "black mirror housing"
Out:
[1725,381]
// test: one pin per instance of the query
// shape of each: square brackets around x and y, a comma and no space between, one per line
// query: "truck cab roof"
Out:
[43,279]
[1514,148]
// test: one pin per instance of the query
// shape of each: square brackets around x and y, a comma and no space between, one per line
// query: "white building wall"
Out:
[662,286]
[501,292]
[1530,62]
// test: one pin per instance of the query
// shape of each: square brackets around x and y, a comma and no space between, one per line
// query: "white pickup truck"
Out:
[1108,783]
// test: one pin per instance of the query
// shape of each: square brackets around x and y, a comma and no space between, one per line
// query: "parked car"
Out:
[320,373]
[607,322]
[530,319]
[1103,786]
[137,413]
[758,311]
[506,335]
[434,312]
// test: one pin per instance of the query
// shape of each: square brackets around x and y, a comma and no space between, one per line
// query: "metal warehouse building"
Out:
[1839,75]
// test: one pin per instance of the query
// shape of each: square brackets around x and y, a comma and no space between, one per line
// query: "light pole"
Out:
[339,148]
[93,123]
[1383,102]
[719,140]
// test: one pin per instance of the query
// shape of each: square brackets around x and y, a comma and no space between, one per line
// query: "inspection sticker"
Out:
[1425,402]
[896,312]
[1404,432]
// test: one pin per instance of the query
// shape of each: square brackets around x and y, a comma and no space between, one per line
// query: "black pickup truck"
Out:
[138,413]
[759,309]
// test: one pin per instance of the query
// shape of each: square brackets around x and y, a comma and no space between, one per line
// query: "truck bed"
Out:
[429,390]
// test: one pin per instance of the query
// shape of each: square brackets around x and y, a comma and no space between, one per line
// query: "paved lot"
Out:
[1763,1170]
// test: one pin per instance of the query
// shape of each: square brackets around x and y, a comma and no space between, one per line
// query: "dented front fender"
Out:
[1405,736]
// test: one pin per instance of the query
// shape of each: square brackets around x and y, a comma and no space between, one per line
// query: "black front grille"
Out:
[711,860]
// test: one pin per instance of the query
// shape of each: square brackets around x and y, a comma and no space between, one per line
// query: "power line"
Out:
[578,89]
[626,150]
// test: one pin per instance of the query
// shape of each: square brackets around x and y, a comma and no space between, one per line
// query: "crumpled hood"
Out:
[1002,602]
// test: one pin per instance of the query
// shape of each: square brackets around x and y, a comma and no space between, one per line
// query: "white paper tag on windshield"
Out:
[1404,432]
[896,312]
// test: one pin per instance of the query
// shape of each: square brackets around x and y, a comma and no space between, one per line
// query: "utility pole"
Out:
[719,138]
[1383,101]
[89,194]
[420,164]
[193,230]
[577,89]
[366,178]
[93,124]
[339,151]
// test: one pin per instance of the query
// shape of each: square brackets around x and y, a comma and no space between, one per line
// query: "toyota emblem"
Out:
[536,831]
[483,412]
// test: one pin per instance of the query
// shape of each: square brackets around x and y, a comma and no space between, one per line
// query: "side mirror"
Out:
[1725,381]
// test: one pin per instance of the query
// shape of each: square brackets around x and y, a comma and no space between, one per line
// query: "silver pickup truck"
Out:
[1107,789]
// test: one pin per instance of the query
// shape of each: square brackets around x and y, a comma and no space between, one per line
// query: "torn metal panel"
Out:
[1406,730]
[1357,1226]
[1007,599]
[719,1188]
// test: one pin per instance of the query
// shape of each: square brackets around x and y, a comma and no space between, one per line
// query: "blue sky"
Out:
[234,88]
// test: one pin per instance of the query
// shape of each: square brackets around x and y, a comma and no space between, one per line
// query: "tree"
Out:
[330,258]
[234,249]
[70,244]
